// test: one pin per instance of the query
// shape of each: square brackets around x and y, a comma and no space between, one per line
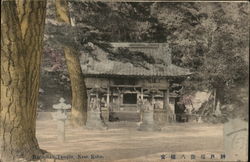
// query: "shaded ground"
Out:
[122,142]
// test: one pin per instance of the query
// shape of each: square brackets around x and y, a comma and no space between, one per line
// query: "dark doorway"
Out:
[180,112]
[130,98]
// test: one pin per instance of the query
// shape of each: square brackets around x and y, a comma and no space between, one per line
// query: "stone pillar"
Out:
[153,102]
[105,110]
[168,115]
[142,94]
[111,101]
[108,97]
[61,115]
[61,130]
[119,99]
[148,123]
[97,101]
[88,102]
[94,119]
[166,99]
[140,105]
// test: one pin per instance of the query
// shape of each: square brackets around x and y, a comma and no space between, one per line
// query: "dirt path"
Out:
[123,142]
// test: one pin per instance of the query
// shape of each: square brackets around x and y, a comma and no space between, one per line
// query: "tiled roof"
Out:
[110,67]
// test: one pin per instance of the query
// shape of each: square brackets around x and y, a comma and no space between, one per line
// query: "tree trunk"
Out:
[215,100]
[20,63]
[32,20]
[78,87]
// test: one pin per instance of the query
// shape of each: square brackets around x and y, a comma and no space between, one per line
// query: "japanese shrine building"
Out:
[119,87]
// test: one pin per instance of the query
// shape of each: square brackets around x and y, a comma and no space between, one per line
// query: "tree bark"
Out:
[78,87]
[32,20]
[21,47]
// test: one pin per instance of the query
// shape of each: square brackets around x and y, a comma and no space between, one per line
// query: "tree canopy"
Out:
[210,39]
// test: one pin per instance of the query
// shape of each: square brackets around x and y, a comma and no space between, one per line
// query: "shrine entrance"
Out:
[125,102]
[130,98]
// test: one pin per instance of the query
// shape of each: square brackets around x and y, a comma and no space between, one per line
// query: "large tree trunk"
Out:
[20,79]
[32,20]
[78,88]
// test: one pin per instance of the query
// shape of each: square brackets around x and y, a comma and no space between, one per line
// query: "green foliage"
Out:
[211,39]
[118,21]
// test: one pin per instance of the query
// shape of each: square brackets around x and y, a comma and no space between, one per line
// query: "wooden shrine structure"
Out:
[120,89]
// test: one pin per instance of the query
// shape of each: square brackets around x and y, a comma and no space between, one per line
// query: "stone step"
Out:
[131,116]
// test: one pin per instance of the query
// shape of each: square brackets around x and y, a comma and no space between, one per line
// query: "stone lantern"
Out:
[61,116]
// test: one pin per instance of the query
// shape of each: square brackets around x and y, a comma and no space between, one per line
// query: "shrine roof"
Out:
[160,52]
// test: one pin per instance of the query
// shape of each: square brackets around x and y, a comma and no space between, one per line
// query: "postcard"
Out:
[125,81]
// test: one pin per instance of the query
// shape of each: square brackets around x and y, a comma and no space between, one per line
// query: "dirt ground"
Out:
[122,142]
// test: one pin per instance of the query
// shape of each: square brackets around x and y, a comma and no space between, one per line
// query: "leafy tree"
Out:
[225,60]
[212,40]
